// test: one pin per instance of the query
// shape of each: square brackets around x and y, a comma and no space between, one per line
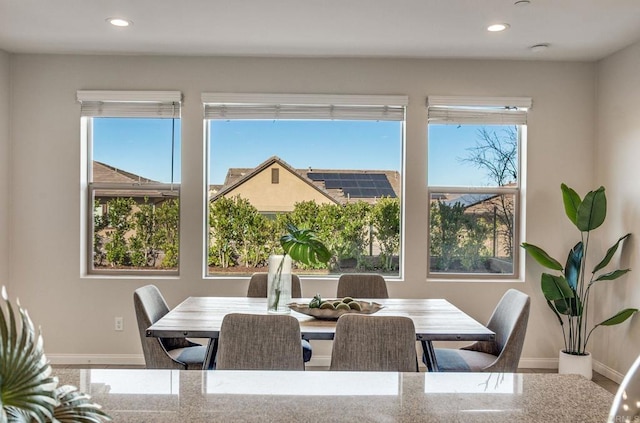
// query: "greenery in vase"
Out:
[302,245]
[28,391]
[568,292]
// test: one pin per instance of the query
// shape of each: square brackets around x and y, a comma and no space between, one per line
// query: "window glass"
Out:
[341,178]
[134,180]
[474,189]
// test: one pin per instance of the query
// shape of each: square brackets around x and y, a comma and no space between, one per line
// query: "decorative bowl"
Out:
[366,307]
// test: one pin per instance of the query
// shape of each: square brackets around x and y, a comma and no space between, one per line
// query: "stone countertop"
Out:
[154,396]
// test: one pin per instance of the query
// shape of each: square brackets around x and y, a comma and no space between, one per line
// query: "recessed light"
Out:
[522,3]
[498,27]
[119,22]
[539,47]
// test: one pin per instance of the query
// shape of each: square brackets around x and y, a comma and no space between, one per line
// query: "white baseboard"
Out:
[608,372]
[102,359]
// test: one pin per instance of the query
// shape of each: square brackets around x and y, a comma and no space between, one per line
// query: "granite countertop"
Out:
[154,396]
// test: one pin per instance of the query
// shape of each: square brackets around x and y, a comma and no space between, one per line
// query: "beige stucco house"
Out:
[274,186]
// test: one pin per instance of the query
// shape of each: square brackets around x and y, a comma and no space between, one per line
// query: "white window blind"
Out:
[478,110]
[303,106]
[149,104]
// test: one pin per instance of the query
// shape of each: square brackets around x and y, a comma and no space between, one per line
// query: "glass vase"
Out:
[279,284]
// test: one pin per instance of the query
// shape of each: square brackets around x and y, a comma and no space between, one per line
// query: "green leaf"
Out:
[572,268]
[541,256]
[570,306]
[303,246]
[26,384]
[610,252]
[76,407]
[571,201]
[612,275]
[555,311]
[592,211]
[619,317]
[555,287]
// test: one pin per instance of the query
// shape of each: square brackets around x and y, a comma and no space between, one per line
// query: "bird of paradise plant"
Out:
[568,293]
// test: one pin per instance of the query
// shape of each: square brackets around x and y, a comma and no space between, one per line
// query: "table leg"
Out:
[210,359]
[430,355]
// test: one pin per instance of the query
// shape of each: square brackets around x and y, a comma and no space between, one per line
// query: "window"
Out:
[326,162]
[133,186]
[474,180]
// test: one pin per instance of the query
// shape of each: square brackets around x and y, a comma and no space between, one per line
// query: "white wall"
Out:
[616,166]
[77,314]
[4,168]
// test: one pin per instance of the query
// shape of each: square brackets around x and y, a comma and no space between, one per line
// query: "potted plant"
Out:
[568,292]
[28,392]
[298,244]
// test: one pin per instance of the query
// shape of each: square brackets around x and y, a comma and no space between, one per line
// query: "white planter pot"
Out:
[279,284]
[575,364]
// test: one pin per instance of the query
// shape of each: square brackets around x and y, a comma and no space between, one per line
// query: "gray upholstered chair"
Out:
[374,343]
[163,353]
[509,322]
[258,286]
[258,289]
[362,285]
[259,342]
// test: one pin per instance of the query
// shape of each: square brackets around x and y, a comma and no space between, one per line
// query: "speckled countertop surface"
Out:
[154,396]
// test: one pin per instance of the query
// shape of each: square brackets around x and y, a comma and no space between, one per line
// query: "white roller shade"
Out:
[302,106]
[148,104]
[478,110]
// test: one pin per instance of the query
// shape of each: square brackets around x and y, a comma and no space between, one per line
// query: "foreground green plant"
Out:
[567,293]
[28,392]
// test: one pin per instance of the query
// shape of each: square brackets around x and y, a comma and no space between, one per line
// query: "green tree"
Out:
[144,244]
[457,237]
[237,229]
[345,229]
[99,223]
[118,218]
[385,219]
[166,234]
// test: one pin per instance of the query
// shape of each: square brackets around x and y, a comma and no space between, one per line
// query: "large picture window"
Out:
[328,163]
[133,181]
[474,182]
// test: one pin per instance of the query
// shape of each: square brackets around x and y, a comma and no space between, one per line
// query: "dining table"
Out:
[435,319]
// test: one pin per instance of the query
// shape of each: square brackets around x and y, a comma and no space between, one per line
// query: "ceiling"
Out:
[584,30]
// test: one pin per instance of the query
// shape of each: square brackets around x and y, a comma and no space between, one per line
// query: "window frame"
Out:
[483,111]
[229,106]
[122,104]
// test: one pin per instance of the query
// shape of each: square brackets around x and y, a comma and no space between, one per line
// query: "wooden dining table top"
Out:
[434,319]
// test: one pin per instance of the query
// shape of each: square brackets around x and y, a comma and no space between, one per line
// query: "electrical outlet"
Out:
[119,324]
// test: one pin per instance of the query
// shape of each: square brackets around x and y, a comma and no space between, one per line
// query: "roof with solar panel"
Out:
[341,185]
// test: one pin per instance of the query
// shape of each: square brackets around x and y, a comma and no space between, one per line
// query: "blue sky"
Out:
[143,147]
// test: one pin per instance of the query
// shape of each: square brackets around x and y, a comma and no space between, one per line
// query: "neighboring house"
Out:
[275,186]
[107,174]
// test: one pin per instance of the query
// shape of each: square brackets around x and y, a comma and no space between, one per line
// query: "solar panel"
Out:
[335,184]
[366,184]
[356,185]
